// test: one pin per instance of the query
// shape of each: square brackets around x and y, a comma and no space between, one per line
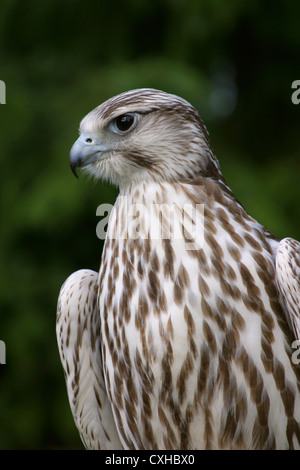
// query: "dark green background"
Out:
[234,60]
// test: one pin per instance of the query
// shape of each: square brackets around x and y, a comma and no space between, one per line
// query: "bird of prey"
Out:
[173,344]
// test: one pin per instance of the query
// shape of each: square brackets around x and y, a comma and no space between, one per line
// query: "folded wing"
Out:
[78,336]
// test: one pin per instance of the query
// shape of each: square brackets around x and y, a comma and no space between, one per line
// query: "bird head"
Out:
[144,135]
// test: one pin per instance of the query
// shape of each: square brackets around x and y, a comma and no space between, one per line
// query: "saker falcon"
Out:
[174,345]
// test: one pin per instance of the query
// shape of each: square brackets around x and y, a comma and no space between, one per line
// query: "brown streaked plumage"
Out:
[178,345]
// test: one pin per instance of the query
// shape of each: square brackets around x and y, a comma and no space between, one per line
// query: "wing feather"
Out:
[78,336]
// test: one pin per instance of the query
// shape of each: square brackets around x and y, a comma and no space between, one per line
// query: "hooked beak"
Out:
[85,151]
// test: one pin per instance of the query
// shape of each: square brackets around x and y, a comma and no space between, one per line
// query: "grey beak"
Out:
[76,155]
[84,152]
[74,160]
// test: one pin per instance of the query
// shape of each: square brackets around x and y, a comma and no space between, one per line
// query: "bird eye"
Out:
[125,122]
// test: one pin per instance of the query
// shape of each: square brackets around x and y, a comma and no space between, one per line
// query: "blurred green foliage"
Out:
[235,61]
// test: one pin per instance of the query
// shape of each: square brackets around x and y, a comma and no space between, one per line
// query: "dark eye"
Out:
[125,122]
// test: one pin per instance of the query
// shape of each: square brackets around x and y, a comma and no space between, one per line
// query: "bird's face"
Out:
[142,136]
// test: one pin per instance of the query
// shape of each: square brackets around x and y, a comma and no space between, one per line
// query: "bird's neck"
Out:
[164,192]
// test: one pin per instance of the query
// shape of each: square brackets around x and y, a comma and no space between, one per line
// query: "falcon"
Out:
[183,340]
